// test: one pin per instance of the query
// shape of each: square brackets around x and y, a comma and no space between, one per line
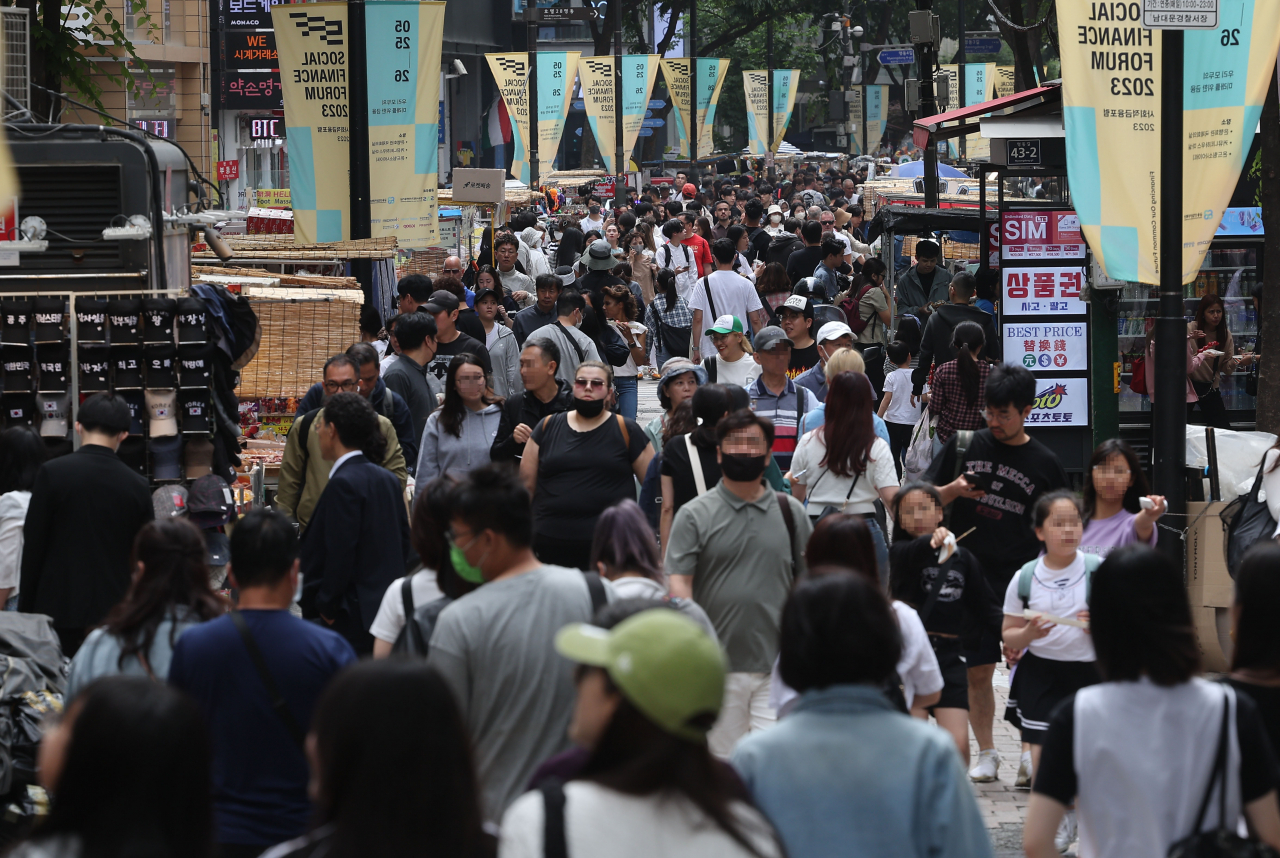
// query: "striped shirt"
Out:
[786,410]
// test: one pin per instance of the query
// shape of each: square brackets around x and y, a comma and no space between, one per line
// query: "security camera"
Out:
[218,244]
[459,67]
[857,32]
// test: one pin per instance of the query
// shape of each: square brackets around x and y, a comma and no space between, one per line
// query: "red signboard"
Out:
[228,171]
[1042,235]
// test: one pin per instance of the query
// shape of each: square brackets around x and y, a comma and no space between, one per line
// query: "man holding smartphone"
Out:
[1001,473]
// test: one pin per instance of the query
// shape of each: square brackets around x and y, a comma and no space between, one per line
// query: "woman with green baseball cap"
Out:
[649,690]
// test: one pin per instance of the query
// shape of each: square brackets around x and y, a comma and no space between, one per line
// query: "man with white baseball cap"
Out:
[831,337]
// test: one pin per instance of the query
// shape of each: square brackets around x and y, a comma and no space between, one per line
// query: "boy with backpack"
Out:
[899,409]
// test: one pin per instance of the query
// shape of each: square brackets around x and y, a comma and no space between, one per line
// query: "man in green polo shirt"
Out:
[734,552]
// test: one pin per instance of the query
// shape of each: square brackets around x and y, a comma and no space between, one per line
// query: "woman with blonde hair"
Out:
[841,360]
[732,363]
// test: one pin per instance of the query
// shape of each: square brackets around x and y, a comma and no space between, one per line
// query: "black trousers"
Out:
[571,553]
[1213,408]
[899,440]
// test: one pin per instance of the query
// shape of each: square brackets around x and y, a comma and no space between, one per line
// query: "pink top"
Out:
[1194,359]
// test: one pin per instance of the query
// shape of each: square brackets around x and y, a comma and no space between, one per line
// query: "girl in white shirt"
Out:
[732,363]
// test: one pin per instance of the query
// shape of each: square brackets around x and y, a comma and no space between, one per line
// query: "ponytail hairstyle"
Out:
[667,287]
[968,338]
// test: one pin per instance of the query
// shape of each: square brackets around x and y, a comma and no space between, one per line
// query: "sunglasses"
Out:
[593,383]
[453,271]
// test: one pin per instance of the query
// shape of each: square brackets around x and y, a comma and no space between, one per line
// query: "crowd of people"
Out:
[766,623]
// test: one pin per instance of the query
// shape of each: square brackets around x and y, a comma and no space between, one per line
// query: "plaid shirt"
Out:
[678,316]
[948,403]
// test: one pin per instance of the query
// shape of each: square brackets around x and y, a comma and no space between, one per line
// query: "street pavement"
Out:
[1003,808]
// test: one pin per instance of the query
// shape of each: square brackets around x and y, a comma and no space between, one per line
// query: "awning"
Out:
[906,220]
[931,126]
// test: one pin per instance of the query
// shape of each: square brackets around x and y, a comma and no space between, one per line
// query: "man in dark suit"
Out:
[357,542]
[85,511]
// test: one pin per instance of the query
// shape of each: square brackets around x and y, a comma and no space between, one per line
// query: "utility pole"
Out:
[693,90]
[358,146]
[960,78]
[924,33]
[531,42]
[768,135]
[620,157]
[1169,410]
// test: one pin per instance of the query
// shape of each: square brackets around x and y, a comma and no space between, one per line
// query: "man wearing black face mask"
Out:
[736,551]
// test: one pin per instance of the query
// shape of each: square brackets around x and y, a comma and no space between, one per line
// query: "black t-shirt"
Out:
[582,473]
[445,353]
[1004,539]
[469,323]
[803,359]
[1057,779]
[1267,698]
[803,262]
[676,465]
[965,604]
[760,239]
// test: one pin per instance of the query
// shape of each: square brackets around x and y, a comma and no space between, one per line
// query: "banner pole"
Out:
[1168,410]
[768,134]
[693,90]
[358,137]
[619,158]
[532,40]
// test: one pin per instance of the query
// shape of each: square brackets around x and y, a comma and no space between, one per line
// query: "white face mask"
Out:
[774,218]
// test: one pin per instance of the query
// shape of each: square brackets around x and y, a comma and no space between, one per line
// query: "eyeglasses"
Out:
[1110,471]
[344,386]
[470,379]
[593,383]
[988,414]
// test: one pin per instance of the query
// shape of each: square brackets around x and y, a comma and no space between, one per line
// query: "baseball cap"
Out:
[195,362]
[50,315]
[126,364]
[726,324]
[770,336]
[15,323]
[209,502]
[54,359]
[198,457]
[17,368]
[163,413]
[661,661]
[487,292]
[217,548]
[194,407]
[166,458]
[169,502]
[599,256]
[133,452]
[441,301]
[833,331]
[137,402]
[566,274]
[157,319]
[191,320]
[688,190]
[800,304]
[54,410]
[95,363]
[91,320]
[126,322]
[160,366]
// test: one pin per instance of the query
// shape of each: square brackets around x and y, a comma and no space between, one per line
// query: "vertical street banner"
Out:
[711,74]
[786,82]
[1004,81]
[557,71]
[1111,67]
[755,84]
[877,101]
[312,46]
[511,74]
[676,74]
[403,39]
[638,74]
[978,86]
[857,107]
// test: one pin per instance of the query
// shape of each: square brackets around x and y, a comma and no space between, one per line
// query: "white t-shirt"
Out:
[732,294]
[680,256]
[1063,593]
[13,516]
[824,488]
[602,821]
[389,621]
[491,337]
[900,409]
[742,372]
[843,239]
[588,224]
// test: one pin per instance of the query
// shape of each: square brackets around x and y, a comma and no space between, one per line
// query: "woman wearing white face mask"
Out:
[773,225]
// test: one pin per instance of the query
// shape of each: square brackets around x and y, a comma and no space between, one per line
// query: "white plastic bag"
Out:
[1239,454]
[919,455]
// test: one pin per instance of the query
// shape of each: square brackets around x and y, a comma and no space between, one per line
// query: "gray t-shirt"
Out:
[568,367]
[742,568]
[495,648]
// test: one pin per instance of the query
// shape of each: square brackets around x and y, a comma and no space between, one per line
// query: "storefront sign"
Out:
[252,91]
[265,127]
[228,171]
[1032,291]
[248,50]
[273,198]
[1061,346]
[1060,402]
[1042,235]
[243,14]
[638,74]
[1111,71]
[1241,221]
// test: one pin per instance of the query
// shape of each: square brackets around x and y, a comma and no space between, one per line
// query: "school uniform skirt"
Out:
[1038,686]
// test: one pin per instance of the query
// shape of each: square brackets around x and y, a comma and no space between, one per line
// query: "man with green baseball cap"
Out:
[665,664]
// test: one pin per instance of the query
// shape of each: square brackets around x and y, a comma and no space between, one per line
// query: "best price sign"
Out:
[1042,235]
[1035,291]
[1062,346]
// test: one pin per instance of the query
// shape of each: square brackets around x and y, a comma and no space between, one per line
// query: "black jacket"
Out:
[781,248]
[529,410]
[86,509]
[355,545]
[803,262]
[935,343]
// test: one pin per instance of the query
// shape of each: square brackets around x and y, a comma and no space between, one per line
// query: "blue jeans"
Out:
[628,399]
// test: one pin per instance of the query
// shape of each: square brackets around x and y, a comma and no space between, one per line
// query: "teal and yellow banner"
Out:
[511,74]
[1111,91]
[786,83]
[557,71]
[756,85]
[638,74]
[711,74]
[876,99]
[979,86]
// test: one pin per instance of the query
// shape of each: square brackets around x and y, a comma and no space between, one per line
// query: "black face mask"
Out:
[589,407]
[742,469]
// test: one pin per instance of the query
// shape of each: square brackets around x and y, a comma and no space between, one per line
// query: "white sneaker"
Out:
[988,764]
[1066,832]
[1025,774]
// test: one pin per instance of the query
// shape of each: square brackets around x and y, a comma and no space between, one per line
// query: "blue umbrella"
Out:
[915,169]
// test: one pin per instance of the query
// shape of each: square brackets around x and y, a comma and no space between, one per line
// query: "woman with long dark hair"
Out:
[1255,615]
[168,595]
[22,451]
[649,690]
[570,248]
[460,432]
[640,257]
[843,466]
[1153,722]
[1210,327]
[1113,487]
[391,779]
[774,287]
[668,319]
[619,306]
[741,244]
[128,770]
[680,483]
[844,773]
[956,396]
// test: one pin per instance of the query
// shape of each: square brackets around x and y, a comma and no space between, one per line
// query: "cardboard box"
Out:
[1209,585]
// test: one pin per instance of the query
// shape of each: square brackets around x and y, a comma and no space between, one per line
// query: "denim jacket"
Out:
[844,774]
[825,279]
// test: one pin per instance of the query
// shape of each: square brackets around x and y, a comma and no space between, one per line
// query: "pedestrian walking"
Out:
[776,397]
[956,393]
[669,321]
[22,452]
[732,362]
[690,467]
[460,433]
[1255,657]
[409,377]
[544,395]
[500,340]
[900,407]
[679,380]
[621,312]
[575,346]
[1113,514]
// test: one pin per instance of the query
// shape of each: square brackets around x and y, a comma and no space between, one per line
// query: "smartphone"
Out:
[982,481]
